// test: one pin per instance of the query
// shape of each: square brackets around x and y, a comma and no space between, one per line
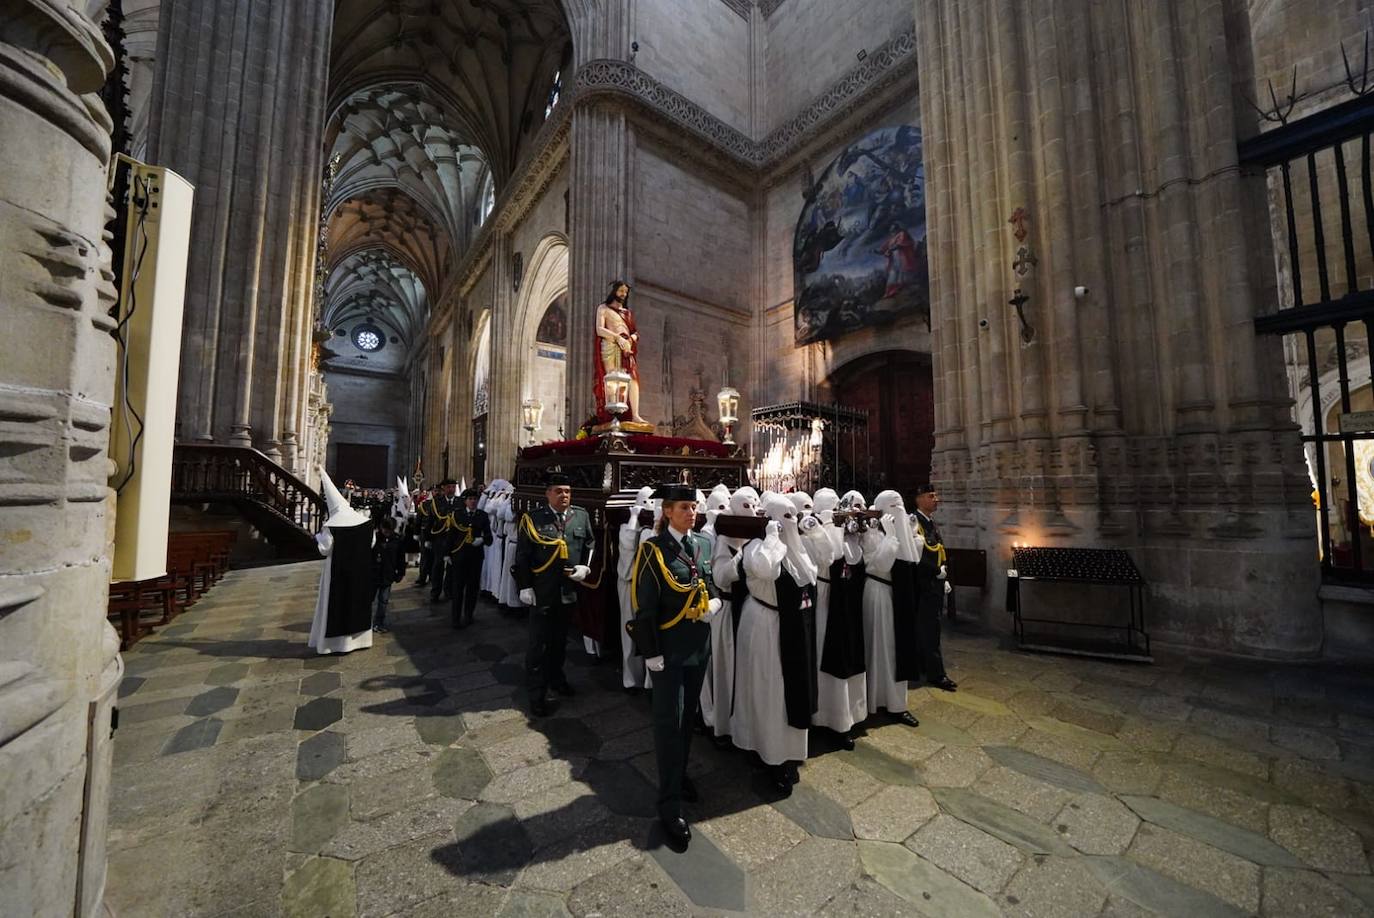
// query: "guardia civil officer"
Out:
[932,583]
[471,536]
[553,551]
[441,532]
[674,601]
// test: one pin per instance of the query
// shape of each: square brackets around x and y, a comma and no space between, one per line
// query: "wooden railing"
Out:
[208,472]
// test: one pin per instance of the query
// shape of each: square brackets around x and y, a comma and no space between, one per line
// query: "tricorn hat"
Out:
[557,480]
[471,492]
[446,482]
[675,492]
[926,488]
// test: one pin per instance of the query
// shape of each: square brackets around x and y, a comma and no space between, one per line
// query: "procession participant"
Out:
[471,537]
[388,567]
[404,511]
[718,690]
[842,695]
[889,609]
[343,613]
[633,676]
[491,562]
[507,591]
[932,583]
[552,555]
[424,519]
[717,502]
[673,604]
[775,675]
[441,531]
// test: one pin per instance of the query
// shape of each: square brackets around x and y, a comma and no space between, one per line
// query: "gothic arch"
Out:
[546,278]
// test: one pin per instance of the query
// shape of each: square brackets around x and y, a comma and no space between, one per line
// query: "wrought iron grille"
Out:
[1317,164]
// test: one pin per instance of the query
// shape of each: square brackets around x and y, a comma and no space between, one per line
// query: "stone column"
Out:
[1141,413]
[59,662]
[238,109]
[601,190]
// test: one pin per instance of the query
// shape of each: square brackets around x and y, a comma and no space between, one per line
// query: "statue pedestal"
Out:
[626,427]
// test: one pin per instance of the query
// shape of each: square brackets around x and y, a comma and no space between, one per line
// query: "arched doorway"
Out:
[896,388]
[549,369]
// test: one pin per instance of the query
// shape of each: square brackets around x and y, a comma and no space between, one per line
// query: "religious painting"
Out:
[859,253]
[553,327]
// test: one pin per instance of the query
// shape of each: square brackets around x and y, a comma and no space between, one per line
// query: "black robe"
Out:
[797,646]
[843,653]
[905,641]
[351,581]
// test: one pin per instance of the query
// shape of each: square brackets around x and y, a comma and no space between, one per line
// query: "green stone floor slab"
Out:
[254,777]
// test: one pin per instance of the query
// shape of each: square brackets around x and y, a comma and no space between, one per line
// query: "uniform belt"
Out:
[879,579]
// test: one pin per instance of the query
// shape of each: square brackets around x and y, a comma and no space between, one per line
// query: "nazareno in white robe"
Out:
[841,703]
[633,673]
[759,720]
[344,643]
[885,691]
[507,593]
[718,688]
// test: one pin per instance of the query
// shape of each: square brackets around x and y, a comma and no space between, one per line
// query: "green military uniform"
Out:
[424,514]
[671,586]
[547,547]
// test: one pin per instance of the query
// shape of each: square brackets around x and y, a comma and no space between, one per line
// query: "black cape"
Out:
[843,653]
[905,641]
[351,581]
[797,646]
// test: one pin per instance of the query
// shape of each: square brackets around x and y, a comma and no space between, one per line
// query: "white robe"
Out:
[841,703]
[759,721]
[885,691]
[632,671]
[491,554]
[718,688]
[343,643]
[507,593]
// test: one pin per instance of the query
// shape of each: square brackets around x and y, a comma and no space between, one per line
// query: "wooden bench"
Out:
[195,562]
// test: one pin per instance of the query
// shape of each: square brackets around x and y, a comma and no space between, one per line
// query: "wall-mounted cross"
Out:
[1019,300]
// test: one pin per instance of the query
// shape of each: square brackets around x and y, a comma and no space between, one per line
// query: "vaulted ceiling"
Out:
[430,100]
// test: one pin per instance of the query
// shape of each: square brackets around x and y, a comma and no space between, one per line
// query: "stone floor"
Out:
[255,779]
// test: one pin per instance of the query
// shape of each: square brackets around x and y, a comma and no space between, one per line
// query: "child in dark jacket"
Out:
[388,567]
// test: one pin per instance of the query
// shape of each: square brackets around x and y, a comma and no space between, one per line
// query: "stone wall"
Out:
[1144,414]
[59,662]
[809,44]
[370,409]
[701,48]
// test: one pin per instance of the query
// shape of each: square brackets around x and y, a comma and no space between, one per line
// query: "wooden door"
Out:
[896,389]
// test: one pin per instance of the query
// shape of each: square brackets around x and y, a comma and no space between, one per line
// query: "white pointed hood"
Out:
[798,561]
[896,522]
[341,515]
[824,504]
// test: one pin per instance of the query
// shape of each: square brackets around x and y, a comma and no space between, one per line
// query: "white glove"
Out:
[949,587]
[809,523]
[655,664]
[579,573]
[872,538]
[944,573]
[527,596]
[773,530]
[712,608]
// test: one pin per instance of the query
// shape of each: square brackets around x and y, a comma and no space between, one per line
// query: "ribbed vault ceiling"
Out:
[429,100]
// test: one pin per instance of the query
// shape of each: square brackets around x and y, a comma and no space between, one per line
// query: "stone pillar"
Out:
[59,661]
[238,109]
[601,190]
[503,415]
[1071,146]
